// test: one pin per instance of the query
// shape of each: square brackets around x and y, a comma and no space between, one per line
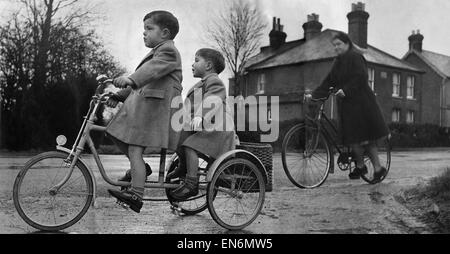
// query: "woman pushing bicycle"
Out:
[361,122]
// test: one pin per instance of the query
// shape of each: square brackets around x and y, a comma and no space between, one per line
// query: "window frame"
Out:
[398,115]
[371,74]
[394,85]
[261,83]
[408,114]
[410,86]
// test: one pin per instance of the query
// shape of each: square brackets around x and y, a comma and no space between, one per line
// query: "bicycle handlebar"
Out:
[308,96]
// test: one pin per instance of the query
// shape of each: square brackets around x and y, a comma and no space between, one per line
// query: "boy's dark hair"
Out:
[215,57]
[165,19]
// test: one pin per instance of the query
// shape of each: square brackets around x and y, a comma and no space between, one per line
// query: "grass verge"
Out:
[431,202]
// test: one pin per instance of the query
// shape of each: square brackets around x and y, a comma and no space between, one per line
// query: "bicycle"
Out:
[55,189]
[308,150]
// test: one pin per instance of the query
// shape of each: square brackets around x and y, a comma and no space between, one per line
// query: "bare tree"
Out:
[237,32]
[49,56]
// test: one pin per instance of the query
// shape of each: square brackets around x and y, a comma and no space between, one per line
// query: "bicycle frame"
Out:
[322,121]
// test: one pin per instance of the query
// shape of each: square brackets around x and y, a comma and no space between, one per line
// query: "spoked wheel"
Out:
[41,205]
[306,156]
[236,194]
[384,154]
[192,205]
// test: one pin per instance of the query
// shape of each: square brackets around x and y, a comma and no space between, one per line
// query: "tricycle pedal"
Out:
[123,205]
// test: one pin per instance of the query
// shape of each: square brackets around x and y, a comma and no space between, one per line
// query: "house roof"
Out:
[320,48]
[438,62]
[267,52]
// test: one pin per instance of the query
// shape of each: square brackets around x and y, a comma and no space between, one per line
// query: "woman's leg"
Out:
[372,151]
[358,152]
[138,175]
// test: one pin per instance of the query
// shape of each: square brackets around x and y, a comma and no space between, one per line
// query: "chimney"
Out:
[277,36]
[415,41]
[312,27]
[357,24]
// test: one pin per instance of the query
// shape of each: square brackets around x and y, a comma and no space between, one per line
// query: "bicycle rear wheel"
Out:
[384,154]
[44,208]
[306,156]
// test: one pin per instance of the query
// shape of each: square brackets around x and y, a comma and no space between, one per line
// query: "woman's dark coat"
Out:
[360,116]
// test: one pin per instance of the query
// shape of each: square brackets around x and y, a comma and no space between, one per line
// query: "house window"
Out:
[396,115]
[261,83]
[410,87]
[371,73]
[410,116]
[396,85]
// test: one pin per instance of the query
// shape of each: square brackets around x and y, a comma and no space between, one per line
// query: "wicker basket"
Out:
[264,153]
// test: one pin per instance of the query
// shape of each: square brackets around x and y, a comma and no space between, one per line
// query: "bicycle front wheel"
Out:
[306,156]
[45,208]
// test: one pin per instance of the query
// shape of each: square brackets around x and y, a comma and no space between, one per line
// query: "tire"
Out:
[192,205]
[306,156]
[34,201]
[384,154]
[236,194]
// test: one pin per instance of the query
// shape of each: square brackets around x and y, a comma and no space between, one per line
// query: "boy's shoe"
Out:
[129,198]
[357,172]
[127,176]
[377,175]
[188,189]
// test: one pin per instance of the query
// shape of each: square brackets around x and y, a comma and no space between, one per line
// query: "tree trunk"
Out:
[40,65]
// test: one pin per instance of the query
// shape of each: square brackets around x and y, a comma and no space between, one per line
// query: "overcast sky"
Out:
[389,25]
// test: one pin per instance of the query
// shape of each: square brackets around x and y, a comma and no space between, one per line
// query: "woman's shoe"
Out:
[377,175]
[129,198]
[188,189]
[357,172]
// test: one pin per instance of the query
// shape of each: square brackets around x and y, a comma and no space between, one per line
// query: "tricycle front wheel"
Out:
[41,205]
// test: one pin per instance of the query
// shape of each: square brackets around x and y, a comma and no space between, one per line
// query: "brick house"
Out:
[436,81]
[286,69]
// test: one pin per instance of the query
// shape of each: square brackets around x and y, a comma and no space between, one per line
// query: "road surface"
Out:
[338,206]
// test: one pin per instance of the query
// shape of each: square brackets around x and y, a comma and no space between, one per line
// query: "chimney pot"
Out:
[415,41]
[312,27]
[277,36]
[357,24]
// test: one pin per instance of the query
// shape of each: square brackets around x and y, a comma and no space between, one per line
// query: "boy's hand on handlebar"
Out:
[112,101]
[122,82]
[340,93]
